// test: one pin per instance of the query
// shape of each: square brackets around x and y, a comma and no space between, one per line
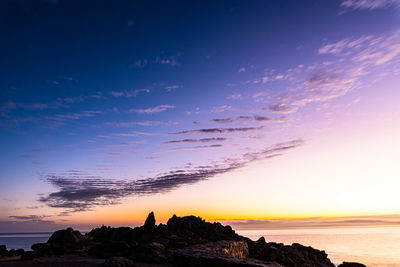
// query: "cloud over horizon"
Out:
[152,110]
[78,191]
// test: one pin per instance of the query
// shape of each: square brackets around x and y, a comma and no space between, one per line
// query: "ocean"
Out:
[372,246]
[23,240]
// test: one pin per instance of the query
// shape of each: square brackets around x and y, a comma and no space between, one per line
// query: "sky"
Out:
[247,112]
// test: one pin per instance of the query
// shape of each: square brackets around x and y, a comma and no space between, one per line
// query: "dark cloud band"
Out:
[80,192]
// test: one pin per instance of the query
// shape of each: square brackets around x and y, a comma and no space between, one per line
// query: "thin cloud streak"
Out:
[129,93]
[256,118]
[203,140]
[195,147]
[219,130]
[152,110]
[368,4]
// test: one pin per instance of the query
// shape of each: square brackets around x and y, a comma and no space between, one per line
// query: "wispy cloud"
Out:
[283,108]
[162,60]
[125,134]
[173,87]
[256,118]
[168,60]
[152,110]
[195,147]
[219,130]
[10,106]
[347,65]
[28,217]
[75,116]
[235,96]
[128,124]
[77,191]
[140,63]
[59,120]
[203,140]
[221,109]
[129,93]
[368,4]
[38,151]
[313,222]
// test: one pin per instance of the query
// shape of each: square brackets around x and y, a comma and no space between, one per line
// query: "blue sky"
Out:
[105,101]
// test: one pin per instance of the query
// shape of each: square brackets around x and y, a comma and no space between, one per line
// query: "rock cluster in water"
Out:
[183,241]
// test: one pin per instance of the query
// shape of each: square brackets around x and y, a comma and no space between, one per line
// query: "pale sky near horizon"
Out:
[231,110]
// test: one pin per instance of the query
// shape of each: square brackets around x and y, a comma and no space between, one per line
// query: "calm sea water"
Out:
[23,240]
[372,246]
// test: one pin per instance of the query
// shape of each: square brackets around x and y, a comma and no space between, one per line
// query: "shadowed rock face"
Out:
[183,241]
[236,249]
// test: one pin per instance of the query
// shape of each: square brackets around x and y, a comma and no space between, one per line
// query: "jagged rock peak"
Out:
[261,240]
[150,221]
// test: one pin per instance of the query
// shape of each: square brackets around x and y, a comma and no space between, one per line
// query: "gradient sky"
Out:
[244,111]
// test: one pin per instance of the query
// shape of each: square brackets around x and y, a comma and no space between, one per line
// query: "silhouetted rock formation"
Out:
[10,253]
[3,250]
[351,264]
[66,237]
[183,241]
[150,221]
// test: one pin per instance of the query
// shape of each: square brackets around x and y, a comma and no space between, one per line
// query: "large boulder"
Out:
[67,236]
[61,242]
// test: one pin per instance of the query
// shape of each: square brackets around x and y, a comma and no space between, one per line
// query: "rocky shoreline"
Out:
[183,241]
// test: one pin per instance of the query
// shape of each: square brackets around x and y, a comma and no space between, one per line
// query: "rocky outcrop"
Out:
[351,264]
[10,253]
[61,242]
[183,241]
[3,250]
[236,249]
[207,260]
[220,253]
[294,255]
[66,237]
[150,221]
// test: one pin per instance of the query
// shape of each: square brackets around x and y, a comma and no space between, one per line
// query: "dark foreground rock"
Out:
[183,241]
[351,264]
[220,253]
[118,262]
[4,253]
